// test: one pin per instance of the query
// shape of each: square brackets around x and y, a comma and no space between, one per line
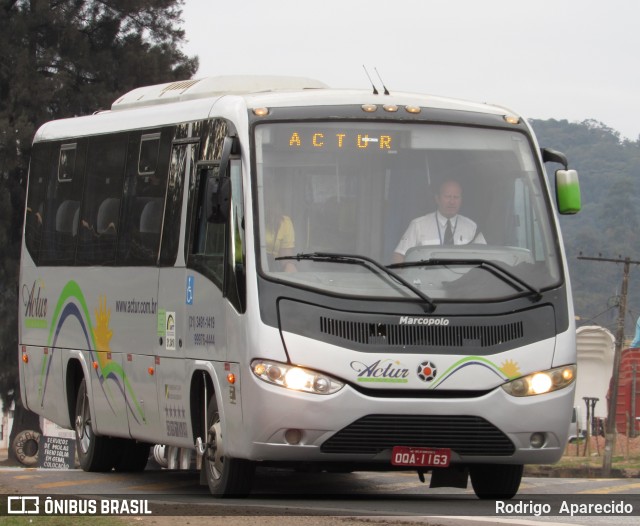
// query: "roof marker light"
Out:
[369,108]
[413,109]
[261,112]
[390,108]
[512,119]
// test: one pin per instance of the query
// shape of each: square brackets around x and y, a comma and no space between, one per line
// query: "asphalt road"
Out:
[284,493]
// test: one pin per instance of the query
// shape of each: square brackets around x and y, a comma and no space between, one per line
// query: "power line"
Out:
[598,315]
[610,431]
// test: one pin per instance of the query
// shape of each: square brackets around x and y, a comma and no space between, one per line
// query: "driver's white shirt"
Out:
[429,230]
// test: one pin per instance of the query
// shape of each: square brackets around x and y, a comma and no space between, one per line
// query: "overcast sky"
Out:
[562,59]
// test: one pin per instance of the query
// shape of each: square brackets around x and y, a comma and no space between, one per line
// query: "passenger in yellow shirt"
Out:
[280,237]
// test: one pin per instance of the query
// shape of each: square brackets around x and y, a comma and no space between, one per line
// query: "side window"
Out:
[39,172]
[528,233]
[207,251]
[217,247]
[149,152]
[204,249]
[67,162]
[181,156]
[64,193]
[237,242]
[144,197]
[215,238]
[100,215]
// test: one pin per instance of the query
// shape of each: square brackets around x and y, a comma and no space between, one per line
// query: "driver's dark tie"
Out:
[448,234]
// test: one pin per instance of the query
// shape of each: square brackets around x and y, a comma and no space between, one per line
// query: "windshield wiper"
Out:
[497,270]
[351,259]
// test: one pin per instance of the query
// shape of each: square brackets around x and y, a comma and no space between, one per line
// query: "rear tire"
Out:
[495,481]
[226,476]
[95,453]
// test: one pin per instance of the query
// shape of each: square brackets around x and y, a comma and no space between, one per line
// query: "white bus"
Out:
[214,265]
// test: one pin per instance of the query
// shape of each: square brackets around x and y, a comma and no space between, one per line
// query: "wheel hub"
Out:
[83,423]
[215,450]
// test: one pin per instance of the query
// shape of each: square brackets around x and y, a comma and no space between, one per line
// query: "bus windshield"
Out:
[455,212]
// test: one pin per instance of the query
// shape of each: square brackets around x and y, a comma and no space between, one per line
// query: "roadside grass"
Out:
[631,462]
[617,461]
[589,458]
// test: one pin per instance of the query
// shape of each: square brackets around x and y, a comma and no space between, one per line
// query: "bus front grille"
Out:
[388,334]
[466,435]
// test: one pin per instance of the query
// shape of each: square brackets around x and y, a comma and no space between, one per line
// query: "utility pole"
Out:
[590,402]
[610,429]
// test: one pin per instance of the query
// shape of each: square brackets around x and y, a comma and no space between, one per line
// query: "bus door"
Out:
[215,290]
[176,287]
[215,280]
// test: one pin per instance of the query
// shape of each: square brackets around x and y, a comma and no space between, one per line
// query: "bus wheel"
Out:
[226,476]
[133,456]
[495,481]
[95,453]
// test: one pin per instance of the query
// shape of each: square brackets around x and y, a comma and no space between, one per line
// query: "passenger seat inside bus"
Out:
[108,216]
[98,245]
[150,221]
[67,217]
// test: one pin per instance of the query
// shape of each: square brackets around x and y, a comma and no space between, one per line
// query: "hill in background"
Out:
[608,225]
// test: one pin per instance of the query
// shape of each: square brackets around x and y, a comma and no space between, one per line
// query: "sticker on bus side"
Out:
[170,325]
[162,321]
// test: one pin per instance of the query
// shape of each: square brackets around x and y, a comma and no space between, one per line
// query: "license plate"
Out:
[420,457]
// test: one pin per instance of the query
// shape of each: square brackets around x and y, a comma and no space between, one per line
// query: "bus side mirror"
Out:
[567,184]
[568,192]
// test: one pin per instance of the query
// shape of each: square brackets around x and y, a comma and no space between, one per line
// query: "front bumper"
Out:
[350,426]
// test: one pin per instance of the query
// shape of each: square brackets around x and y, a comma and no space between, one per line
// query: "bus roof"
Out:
[191,100]
[209,87]
[276,91]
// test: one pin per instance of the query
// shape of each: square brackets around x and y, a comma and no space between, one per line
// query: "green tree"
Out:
[63,58]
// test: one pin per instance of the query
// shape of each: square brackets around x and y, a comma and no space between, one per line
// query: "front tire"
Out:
[95,453]
[226,476]
[495,481]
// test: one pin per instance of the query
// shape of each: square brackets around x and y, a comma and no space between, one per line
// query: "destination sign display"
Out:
[339,140]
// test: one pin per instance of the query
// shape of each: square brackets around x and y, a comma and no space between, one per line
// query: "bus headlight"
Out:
[542,382]
[296,378]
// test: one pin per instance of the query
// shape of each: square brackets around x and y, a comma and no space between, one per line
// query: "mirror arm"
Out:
[554,156]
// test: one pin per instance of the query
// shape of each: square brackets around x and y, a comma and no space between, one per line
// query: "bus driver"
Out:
[442,227]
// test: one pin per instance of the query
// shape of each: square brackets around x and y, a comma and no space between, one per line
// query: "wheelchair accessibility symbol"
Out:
[189,290]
